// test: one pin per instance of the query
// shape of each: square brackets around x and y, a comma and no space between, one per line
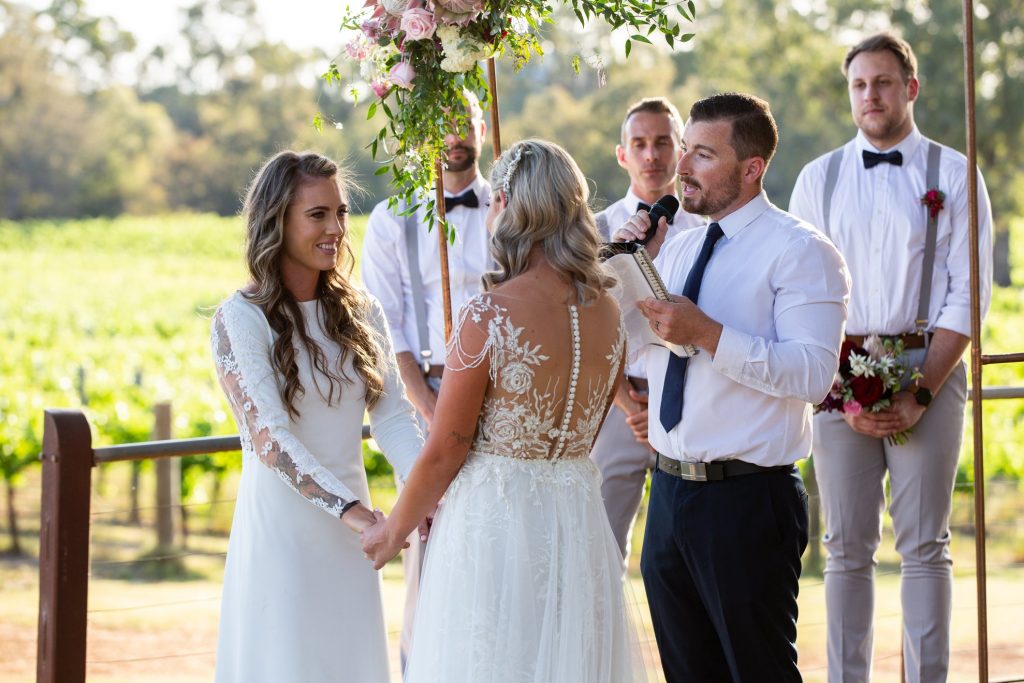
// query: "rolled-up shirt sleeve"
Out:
[955,314]
[800,360]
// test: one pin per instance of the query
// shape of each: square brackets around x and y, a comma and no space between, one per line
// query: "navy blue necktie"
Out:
[675,373]
[467,199]
[872,159]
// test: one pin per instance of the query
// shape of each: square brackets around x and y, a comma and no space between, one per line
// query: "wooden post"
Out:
[442,243]
[492,82]
[168,482]
[64,547]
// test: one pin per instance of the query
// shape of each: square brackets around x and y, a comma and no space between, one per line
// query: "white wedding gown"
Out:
[522,579]
[300,602]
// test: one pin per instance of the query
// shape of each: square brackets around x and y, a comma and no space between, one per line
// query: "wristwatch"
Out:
[923,396]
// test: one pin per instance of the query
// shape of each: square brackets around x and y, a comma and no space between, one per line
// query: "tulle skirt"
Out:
[522,580]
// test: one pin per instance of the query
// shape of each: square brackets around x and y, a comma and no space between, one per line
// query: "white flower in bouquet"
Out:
[861,366]
[461,53]
[875,346]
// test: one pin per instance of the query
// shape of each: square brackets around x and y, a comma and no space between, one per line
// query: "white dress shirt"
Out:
[780,290]
[617,214]
[878,222]
[385,268]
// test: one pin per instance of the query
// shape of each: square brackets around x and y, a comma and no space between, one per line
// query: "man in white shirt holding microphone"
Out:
[764,302]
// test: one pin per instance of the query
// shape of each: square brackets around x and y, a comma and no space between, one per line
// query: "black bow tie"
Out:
[467,199]
[647,207]
[872,159]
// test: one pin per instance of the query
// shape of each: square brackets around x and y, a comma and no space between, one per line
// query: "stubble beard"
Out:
[468,162]
[711,203]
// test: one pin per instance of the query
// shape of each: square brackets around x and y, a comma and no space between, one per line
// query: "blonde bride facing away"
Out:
[522,578]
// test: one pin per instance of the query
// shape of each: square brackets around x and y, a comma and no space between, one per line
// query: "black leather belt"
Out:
[712,471]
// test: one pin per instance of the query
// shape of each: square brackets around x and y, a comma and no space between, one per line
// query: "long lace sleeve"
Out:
[241,341]
[393,420]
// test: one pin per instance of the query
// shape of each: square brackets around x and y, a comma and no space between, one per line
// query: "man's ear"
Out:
[753,169]
[620,155]
[913,88]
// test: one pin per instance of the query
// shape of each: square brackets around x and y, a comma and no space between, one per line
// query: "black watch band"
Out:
[923,396]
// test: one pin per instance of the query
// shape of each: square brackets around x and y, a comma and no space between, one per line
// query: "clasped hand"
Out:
[378,544]
[901,415]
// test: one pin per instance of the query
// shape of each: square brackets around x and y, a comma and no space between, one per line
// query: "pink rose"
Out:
[418,24]
[402,75]
[380,87]
[852,408]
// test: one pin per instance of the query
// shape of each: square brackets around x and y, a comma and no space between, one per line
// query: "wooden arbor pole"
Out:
[442,233]
[976,359]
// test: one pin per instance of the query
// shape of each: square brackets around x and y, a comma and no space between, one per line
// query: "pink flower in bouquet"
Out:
[372,28]
[456,12]
[418,24]
[852,408]
[380,87]
[402,75]
[357,50]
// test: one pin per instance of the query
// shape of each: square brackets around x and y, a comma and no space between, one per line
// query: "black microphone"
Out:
[665,207]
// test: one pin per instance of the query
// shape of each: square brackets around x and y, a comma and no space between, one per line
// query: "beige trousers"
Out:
[850,469]
[623,463]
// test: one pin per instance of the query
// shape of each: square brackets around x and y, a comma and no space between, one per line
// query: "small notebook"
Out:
[638,279]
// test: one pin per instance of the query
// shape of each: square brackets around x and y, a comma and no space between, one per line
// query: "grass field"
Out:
[113,316]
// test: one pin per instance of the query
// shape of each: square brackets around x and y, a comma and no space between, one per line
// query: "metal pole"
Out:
[492,82]
[64,547]
[976,364]
[442,244]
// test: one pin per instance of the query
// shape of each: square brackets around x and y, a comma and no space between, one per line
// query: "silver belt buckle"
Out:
[693,471]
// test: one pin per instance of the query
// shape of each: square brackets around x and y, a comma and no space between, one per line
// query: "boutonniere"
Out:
[934,199]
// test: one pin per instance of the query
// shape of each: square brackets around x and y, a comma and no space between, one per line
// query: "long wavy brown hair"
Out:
[345,308]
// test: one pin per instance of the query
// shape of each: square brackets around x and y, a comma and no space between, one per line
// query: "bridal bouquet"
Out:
[868,376]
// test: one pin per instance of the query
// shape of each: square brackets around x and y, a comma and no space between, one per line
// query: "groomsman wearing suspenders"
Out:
[648,151]
[401,267]
[908,255]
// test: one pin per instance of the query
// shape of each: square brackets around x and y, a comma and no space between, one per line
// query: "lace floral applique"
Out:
[246,377]
[520,419]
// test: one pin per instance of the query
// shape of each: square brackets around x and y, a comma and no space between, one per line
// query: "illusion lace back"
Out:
[522,581]
[552,371]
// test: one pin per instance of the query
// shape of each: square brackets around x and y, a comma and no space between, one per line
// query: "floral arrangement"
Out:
[935,200]
[419,57]
[868,376]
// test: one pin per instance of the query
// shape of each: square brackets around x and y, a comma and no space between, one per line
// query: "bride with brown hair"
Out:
[522,577]
[301,354]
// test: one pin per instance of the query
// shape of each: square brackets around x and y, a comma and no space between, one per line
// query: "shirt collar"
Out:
[739,219]
[481,187]
[907,146]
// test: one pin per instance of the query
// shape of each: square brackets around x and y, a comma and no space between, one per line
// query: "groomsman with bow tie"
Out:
[762,296]
[895,205]
[401,267]
[648,151]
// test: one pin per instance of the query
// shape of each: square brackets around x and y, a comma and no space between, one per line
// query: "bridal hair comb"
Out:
[512,165]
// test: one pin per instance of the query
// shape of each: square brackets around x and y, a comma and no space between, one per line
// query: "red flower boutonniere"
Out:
[934,199]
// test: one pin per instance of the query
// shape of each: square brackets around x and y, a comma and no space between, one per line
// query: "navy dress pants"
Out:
[721,566]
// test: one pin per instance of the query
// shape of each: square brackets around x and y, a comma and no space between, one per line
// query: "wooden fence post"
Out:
[168,483]
[64,547]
